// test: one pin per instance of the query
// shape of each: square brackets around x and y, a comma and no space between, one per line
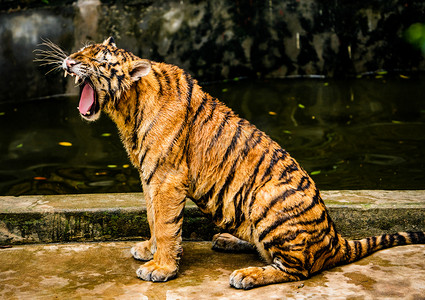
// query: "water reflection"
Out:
[351,134]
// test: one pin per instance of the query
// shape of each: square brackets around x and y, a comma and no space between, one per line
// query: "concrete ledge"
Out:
[103,217]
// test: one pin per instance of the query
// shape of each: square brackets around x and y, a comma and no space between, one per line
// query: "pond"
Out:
[362,133]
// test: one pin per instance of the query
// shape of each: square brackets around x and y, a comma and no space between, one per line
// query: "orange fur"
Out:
[185,144]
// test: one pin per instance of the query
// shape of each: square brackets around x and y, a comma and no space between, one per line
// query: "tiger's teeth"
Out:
[65,73]
[76,79]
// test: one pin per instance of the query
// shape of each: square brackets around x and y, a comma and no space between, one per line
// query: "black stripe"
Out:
[368,245]
[177,218]
[152,124]
[292,262]
[391,240]
[374,242]
[136,128]
[251,180]
[210,115]
[249,144]
[227,182]
[359,249]
[292,265]
[385,243]
[239,214]
[167,78]
[203,200]
[336,251]
[277,155]
[219,130]
[185,150]
[148,180]
[256,142]
[289,169]
[218,213]
[233,142]
[322,234]
[284,238]
[304,183]
[223,189]
[239,198]
[113,73]
[416,237]
[148,129]
[177,79]
[200,108]
[106,99]
[332,248]
[158,79]
[120,78]
[401,240]
[144,155]
[275,267]
[177,232]
[323,217]
[281,197]
[229,179]
[300,247]
[348,251]
[287,217]
[137,110]
[190,83]
[185,120]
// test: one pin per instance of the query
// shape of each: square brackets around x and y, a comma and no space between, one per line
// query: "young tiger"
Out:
[186,144]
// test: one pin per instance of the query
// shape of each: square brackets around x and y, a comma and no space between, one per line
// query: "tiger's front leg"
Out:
[146,249]
[168,200]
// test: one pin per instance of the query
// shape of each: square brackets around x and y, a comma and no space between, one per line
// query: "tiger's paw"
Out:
[247,278]
[142,251]
[229,243]
[150,271]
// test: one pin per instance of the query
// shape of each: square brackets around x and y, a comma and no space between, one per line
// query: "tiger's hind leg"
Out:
[228,243]
[276,272]
[284,267]
[279,237]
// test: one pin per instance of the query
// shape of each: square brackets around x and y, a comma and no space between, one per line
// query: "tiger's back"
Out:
[186,143]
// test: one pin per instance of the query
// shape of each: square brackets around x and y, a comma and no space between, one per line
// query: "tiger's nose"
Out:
[68,63]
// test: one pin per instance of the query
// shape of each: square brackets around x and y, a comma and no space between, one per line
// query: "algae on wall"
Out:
[213,40]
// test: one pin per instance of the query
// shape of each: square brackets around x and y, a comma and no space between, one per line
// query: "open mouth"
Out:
[88,105]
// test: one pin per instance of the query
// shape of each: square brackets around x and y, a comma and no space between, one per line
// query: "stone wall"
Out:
[213,40]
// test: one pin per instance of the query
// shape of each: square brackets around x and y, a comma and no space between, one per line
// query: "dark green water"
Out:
[364,133]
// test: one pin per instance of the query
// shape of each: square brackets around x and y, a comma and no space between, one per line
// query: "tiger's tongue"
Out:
[86,100]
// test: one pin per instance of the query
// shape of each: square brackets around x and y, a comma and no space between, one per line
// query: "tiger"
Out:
[187,144]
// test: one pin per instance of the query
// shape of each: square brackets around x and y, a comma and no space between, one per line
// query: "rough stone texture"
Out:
[107,271]
[102,217]
[364,213]
[47,218]
[214,39]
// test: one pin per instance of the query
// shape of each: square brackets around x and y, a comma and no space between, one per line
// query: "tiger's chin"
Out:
[91,116]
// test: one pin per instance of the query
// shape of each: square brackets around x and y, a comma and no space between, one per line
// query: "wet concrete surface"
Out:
[107,271]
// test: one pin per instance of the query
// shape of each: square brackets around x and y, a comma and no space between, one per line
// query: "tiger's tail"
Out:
[353,250]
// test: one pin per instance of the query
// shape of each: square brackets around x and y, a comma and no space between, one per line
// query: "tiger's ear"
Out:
[139,68]
[109,42]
